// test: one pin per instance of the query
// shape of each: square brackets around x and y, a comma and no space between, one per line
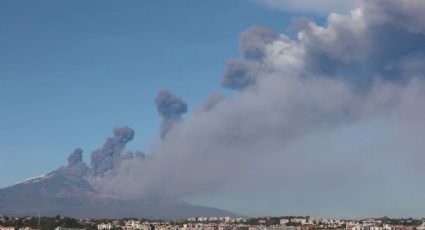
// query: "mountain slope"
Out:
[66,191]
[57,193]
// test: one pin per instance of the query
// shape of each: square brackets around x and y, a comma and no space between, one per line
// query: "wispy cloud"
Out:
[312,6]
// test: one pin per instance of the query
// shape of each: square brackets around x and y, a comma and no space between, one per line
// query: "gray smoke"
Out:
[253,42]
[135,154]
[293,96]
[104,160]
[76,167]
[171,108]
[107,157]
[75,157]
[240,74]
[210,102]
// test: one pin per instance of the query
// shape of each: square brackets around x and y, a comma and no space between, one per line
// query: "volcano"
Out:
[59,194]
[67,191]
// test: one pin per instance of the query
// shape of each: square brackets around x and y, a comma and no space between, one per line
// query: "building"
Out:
[299,221]
[102,226]
[420,227]
[202,219]
[357,227]
[283,221]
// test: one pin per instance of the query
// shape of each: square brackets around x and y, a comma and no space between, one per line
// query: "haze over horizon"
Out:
[274,107]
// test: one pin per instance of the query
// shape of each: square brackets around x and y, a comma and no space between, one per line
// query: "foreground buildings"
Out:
[211,223]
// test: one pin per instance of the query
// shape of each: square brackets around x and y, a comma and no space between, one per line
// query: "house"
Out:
[102,226]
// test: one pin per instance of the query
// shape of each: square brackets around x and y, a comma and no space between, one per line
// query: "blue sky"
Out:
[70,71]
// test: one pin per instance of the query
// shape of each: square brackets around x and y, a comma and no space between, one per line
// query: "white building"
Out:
[202,219]
[283,221]
[299,221]
[357,227]
[106,226]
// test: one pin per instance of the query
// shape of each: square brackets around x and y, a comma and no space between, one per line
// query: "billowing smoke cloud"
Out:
[104,161]
[253,42]
[240,74]
[361,66]
[171,108]
[76,166]
[106,158]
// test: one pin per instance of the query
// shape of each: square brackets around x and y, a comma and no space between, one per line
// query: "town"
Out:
[210,223]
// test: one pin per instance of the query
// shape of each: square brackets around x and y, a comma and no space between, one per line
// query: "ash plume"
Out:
[253,42]
[106,158]
[75,157]
[240,74]
[170,108]
[210,102]
[76,167]
[360,66]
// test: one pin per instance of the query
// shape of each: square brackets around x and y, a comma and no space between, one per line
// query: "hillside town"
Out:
[210,223]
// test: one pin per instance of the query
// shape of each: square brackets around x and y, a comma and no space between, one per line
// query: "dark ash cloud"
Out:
[104,161]
[171,108]
[240,74]
[75,157]
[106,158]
[76,167]
[253,42]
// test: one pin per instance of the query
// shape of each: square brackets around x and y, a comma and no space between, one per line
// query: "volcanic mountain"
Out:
[67,191]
